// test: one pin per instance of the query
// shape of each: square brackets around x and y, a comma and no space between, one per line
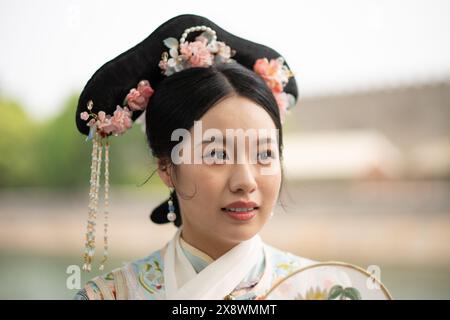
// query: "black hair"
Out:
[184,97]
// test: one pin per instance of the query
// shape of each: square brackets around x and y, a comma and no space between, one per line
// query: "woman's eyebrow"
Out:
[260,140]
[265,139]
[212,139]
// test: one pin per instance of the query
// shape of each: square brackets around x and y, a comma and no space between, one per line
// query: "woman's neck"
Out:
[212,246]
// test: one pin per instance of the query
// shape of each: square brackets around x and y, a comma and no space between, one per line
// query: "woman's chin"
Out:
[239,234]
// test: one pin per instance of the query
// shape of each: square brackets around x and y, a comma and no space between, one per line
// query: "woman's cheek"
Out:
[270,186]
[211,181]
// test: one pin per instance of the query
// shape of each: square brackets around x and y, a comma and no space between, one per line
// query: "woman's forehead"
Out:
[237,113]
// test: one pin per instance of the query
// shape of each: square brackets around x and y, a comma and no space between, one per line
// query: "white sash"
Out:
[215,281]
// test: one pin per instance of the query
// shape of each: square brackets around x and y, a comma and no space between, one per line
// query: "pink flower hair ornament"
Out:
[203,52]
[121,120]
[276,75]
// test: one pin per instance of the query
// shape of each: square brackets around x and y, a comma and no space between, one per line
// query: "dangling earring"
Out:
[171,215]
[271,215]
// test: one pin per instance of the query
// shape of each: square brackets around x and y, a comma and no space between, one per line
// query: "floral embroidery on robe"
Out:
[144,278]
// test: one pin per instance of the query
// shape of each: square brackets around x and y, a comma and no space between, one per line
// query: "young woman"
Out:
[214,106]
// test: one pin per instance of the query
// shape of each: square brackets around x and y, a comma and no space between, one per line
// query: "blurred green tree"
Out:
[55,155]
[16,145]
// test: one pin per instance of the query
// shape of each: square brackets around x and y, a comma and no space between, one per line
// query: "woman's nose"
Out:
[242,178]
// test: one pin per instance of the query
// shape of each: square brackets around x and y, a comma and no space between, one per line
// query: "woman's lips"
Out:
[241,205]
[241,216]
[241,210]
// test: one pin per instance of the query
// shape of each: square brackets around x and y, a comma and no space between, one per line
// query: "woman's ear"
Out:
[165,172]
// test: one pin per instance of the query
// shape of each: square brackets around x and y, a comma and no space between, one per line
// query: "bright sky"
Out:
[50,49]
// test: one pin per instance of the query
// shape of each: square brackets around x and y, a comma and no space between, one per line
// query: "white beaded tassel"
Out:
[106,208]
[93,204]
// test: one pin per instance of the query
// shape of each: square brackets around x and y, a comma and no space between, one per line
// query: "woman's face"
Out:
[252,174]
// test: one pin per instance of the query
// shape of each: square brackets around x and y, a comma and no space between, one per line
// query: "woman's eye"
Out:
[219,154]
[264,156]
